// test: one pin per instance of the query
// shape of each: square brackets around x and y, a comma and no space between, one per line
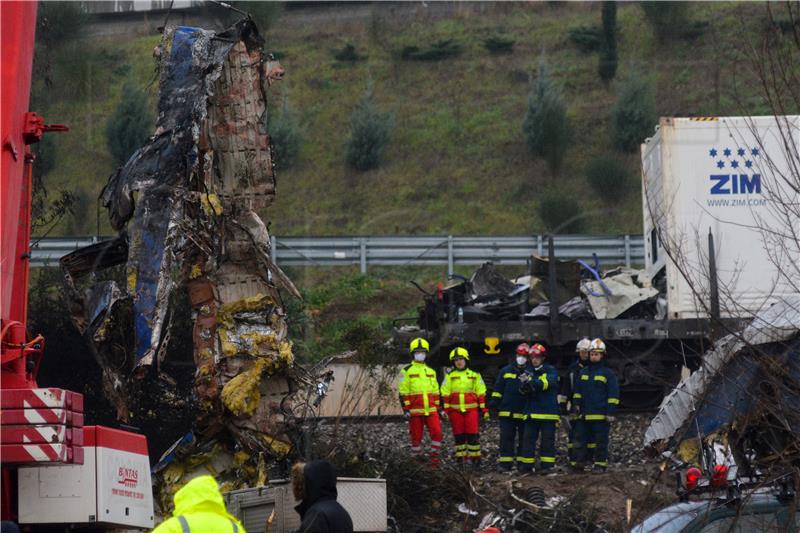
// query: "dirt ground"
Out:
[424,500]
[608,493]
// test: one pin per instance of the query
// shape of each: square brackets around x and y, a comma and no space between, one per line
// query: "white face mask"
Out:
[419,356]
[521,360]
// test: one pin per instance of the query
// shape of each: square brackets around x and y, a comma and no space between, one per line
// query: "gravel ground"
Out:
[362,448]
[627,433]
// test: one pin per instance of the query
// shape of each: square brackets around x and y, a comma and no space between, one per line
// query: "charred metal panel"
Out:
[243,168]
[187,200]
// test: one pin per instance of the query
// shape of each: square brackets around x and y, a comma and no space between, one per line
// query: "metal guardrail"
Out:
[406,251]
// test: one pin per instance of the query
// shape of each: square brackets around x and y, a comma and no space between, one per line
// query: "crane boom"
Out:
[18,28]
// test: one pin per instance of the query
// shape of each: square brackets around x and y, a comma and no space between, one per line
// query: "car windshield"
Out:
[673,518]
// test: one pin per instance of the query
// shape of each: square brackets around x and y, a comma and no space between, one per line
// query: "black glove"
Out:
[563,408]
[406,415]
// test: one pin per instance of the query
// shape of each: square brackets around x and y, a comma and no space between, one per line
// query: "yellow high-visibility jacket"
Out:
[419,390]
[199,508]
[464,390]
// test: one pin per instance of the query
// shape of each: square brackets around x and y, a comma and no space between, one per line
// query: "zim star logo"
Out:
[733,170]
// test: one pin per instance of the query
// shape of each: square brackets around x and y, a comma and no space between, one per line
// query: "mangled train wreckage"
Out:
[185,206]
[742,406]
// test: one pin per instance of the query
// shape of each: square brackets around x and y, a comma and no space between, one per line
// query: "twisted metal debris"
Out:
[185,206]
[745,397]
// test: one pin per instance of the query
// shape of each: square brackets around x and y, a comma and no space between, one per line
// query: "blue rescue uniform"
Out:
[542,416]
[511,407]
[596,396]
[567,388]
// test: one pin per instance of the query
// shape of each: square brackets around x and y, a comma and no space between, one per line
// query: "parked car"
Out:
[760,510]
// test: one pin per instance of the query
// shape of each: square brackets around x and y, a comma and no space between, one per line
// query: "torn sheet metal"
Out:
[487,282]
[568,279]
[86,306]
[159,173]
[199,183]
[574,309]
[620,293]
[730,384]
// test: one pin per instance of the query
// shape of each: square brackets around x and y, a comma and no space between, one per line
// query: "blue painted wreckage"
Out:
[745,397]
[186,208]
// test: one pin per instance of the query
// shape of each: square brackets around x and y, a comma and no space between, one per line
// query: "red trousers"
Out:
[416,427]
[465,434]
[464,423]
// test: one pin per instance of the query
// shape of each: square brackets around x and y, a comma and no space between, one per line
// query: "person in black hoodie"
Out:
[314,484]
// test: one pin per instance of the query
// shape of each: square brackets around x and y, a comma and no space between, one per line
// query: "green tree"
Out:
[59,22]
[607,66]
[608,177]
[546,126]
[287,137]
[587,38]
[668,19]
[560,213]
[634,114]
[370,131]
[45,152]
[81,222]
[129,126]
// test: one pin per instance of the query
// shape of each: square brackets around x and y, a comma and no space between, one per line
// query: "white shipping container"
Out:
[730,177]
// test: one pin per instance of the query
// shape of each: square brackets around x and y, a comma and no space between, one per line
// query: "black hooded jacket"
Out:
[319,510]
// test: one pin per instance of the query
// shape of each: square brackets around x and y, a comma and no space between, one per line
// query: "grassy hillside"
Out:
[457,162]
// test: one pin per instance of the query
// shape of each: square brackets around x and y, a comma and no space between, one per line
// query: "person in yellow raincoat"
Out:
[464,398]
[199,508]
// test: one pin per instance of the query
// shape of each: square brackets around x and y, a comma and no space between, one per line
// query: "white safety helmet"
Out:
[597,345]
[584,345]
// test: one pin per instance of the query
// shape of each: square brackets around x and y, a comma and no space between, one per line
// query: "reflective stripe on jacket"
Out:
[542,393]
[506,396]
[464,390]
[568,381]
[199,508]
[596,392]
[419,390]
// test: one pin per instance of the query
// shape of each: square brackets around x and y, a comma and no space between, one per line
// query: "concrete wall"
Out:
[362,391]
[294,15]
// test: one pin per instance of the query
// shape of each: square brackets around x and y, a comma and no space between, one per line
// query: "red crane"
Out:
[43,427]
[21,401]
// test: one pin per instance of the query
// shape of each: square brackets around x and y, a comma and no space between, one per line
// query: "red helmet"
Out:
[538,350]
[523,348]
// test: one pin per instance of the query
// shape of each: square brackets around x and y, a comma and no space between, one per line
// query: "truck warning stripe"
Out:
[42,399]
[23,417]
[49,434]
[41,453]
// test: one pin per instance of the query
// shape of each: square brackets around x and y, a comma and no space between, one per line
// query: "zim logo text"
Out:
[735,184]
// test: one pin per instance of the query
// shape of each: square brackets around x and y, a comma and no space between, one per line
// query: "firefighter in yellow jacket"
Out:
[199,508]
[419,397]
[464,398]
